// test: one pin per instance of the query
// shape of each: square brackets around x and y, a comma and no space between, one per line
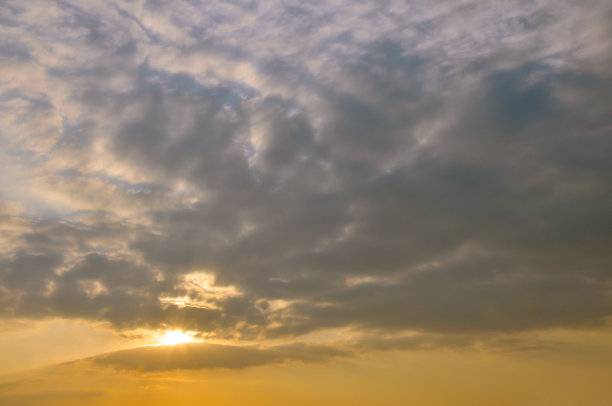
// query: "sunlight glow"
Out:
[176,337]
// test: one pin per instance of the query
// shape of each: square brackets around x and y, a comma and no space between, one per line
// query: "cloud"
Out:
[213,356]
[376,167]
[51,396]
[203,356]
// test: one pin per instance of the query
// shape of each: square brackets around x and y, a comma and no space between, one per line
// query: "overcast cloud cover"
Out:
[266,169]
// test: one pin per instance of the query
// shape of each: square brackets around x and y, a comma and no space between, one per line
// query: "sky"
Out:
[327,202]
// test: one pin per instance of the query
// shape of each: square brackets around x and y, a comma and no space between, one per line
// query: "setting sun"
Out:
[176,337]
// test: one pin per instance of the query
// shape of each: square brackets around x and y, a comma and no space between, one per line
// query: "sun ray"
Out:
[173,337]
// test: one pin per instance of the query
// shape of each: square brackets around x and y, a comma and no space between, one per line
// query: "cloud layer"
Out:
[262,169]
[213,356]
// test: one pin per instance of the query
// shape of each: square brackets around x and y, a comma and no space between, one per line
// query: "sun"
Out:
[173,337]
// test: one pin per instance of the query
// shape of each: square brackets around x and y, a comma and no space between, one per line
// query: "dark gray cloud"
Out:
[202,356]
[213,356]
[36,398]
[256,169]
